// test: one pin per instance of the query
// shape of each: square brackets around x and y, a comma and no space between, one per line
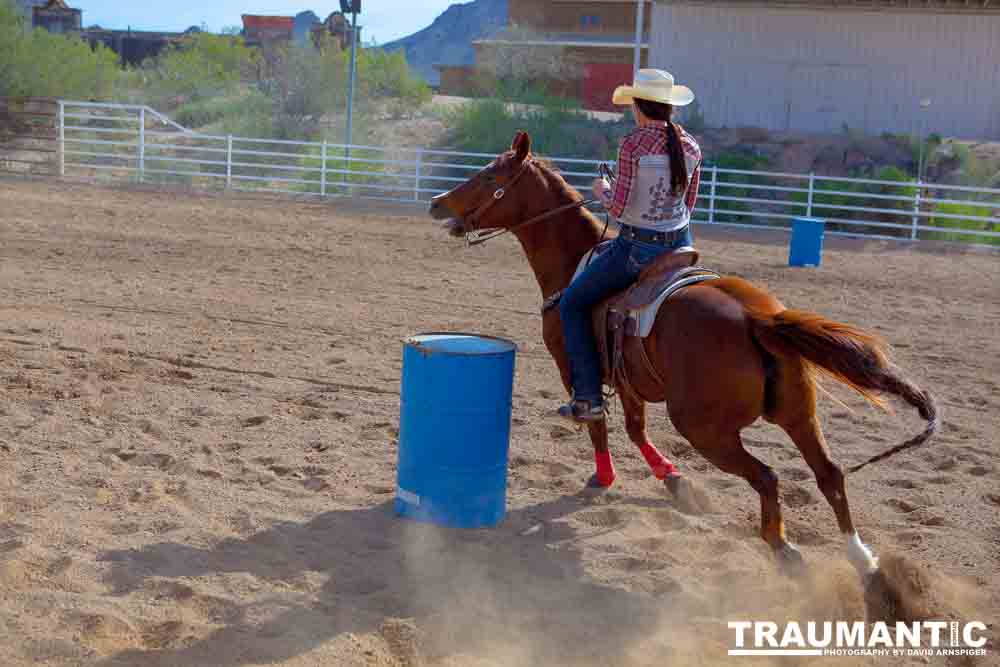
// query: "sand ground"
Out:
[198,424]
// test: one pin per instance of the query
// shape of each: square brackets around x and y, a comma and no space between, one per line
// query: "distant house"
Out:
[337,25]
[57,17]
[590,45]
[825,65]
[26,7]
[133,46]
[268,31]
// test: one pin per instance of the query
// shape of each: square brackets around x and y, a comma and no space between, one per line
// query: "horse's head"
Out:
[481,202]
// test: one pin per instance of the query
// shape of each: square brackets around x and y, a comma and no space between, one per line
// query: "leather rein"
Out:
[498,194]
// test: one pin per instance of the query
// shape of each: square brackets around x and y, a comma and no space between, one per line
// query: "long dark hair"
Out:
[678,167]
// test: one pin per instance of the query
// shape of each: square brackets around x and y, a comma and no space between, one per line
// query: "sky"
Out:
[383,20]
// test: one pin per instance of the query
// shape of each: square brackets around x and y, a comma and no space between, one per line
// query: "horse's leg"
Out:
[795,413]
[808,437]
[605,475]
[635,424]
[552,334]
[727,453]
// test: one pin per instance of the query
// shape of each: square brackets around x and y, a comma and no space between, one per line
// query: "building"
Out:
[57,17]
[268,31]
[26,7]
[337,25]
[580,48]
[828,65]
[134,46]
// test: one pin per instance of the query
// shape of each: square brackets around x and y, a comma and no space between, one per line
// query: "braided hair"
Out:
[678,167]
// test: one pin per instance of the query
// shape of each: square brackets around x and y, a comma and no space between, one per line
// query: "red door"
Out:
[600,81]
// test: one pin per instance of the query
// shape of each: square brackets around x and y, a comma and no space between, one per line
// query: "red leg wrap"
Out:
[605,468]
[662,468]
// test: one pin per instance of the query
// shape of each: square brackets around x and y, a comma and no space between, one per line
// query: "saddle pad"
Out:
[646,316]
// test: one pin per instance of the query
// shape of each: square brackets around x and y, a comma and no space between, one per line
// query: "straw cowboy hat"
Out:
[654,85]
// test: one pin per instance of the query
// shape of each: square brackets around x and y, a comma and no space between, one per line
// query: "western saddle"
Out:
[623,320]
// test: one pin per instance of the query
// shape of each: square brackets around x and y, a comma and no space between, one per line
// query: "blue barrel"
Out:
[454,429]
[806,248]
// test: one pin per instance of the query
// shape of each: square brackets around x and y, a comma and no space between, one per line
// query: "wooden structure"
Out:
[133,46]
[337,25]
[28,136]
[268,31]
[57,17]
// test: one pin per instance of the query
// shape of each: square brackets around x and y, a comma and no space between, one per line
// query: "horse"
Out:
[726,353]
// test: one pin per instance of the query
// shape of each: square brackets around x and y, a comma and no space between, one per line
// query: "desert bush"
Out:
[37,63]
[203,66]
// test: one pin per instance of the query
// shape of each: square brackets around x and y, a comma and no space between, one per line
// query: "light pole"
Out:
[639,26]
[354,6]
[924,105]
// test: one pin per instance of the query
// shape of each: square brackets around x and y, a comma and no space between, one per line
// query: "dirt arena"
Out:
[198,424]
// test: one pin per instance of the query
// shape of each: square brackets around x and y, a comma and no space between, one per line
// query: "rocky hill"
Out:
[448,41]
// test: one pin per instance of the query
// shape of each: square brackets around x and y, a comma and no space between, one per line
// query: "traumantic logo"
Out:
[825,638]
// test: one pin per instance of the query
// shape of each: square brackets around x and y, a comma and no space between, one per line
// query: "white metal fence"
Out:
[136,142]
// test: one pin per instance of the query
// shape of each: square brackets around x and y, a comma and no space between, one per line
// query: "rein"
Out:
[473,219]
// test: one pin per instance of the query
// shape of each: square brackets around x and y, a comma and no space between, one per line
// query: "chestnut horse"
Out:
[726,352]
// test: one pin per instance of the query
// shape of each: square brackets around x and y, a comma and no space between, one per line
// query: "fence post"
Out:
[812,189]
[142,143]
[420,165]
[711,194]
[322,170]
[62,139]
[916,211]
[229,161]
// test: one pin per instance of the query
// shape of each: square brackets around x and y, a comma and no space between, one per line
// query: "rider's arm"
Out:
[693,183]
[628,164]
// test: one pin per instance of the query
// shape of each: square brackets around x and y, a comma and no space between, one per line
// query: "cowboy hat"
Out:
[654,85]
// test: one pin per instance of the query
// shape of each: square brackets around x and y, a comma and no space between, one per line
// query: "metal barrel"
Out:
[806,247]
[454,431]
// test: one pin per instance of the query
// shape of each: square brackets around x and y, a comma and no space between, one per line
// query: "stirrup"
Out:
[582,411]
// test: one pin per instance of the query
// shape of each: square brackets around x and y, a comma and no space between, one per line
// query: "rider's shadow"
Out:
[348,571]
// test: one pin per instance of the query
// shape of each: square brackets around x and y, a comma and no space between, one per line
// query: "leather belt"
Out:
[630,233]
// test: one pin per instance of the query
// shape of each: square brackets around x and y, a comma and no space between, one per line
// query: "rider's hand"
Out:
[599,187]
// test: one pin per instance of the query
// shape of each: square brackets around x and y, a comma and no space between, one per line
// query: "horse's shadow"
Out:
[349,571]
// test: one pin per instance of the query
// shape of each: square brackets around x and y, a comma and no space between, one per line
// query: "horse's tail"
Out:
[849,355]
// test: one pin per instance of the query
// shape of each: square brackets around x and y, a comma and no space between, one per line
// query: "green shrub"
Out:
[202,66]
[37,63]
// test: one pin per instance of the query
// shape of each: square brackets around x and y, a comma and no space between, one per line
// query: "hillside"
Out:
[448,41]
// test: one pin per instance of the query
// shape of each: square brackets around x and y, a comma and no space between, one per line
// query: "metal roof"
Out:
[961,6]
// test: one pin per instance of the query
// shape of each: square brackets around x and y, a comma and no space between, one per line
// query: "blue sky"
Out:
[384,20]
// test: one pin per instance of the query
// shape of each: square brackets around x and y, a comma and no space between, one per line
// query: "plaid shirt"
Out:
[649,140]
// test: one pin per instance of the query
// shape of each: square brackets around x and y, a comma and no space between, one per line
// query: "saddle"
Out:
[624,319]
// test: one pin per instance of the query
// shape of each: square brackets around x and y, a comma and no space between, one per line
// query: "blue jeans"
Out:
[614,270]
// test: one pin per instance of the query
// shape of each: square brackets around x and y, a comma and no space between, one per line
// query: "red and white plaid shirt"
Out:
[650,140]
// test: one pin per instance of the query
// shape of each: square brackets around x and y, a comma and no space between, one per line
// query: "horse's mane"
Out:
[563,190]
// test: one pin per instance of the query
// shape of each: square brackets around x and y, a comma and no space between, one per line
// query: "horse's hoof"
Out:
[595,483]
[685,496]
[790,560]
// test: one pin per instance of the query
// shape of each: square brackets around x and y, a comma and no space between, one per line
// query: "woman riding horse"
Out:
[659,165]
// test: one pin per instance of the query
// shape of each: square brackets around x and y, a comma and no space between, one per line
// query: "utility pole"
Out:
[639,25]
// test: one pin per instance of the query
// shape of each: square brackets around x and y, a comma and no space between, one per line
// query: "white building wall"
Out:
[815,70]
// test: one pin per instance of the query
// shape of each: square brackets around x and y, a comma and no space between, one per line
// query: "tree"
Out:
[37,63]
[203,65]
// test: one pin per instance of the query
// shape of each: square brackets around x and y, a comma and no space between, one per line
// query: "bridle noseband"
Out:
[473,219]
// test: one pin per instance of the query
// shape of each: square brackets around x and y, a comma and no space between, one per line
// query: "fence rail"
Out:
[139,143]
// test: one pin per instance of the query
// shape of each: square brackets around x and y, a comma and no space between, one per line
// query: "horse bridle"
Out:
[473,219]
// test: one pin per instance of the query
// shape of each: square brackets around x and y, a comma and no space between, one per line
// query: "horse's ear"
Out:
[521,145]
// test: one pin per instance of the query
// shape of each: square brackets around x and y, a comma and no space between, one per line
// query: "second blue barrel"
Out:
[806,247]
[454,430]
